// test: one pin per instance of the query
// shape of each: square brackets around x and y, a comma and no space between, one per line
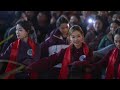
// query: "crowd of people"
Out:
[60,44]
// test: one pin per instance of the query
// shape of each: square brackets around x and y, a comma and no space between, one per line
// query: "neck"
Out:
[64,35]
[78,46]
[25,39]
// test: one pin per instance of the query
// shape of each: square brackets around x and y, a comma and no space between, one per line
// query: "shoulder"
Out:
[90,32]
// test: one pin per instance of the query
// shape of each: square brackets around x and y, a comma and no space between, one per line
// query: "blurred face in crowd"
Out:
[76,38]
[29,14]
[98,25]
[42,19]
[55,13]
[64,28]
[21,33]
[117,40]
[102,13]
[116,17]
[86,13]
[24,17]
[73,20]
[113,27]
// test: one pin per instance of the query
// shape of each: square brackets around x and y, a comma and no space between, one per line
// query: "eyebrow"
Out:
[19,28]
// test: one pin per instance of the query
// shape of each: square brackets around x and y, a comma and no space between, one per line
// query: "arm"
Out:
[6,53]
[103,61]
[44,49]
[5,56]
[87,37]
[102,43]
[46,63]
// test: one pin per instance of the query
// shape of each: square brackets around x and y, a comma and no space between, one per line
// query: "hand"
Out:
[74,63]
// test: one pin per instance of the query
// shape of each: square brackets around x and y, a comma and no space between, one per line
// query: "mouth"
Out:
[76,43]
[18,35]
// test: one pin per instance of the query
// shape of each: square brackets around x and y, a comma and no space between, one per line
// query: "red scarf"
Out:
[110,67]
[67,60]
[13,57]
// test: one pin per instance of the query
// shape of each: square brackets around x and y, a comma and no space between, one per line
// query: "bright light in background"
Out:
[90,20]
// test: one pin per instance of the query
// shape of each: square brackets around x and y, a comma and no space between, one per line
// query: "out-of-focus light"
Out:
[90,20]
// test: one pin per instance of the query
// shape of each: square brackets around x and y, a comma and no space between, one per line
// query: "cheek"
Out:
[65,30]
[81,39]
[24,33]
[71,39]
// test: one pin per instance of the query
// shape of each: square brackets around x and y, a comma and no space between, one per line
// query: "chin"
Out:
[76,45]
[18,37]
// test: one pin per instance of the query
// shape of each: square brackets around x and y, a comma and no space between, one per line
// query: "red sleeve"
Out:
[47,63]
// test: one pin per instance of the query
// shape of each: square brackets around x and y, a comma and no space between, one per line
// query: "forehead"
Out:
[18,26]
[97,21]
[76,32]
[73,17]
[117,37]
[115,15]
[113,24]
[63,25]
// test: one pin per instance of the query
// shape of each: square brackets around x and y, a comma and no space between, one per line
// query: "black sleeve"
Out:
[6,53]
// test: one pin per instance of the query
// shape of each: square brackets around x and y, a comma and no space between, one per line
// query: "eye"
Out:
[79,36]
[116,41]
[73,37]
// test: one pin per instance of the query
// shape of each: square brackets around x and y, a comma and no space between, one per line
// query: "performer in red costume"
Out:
[23,50]
[75,58]
[110,64]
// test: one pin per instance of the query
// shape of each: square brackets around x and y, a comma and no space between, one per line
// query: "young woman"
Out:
[75,58]
[56,41]
[111,62]
[94,36]
[23,50]
[108,39]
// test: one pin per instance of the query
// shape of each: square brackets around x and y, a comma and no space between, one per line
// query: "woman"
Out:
[94,36]
[108,39]
[74,58]
[56,41]
[23,50]
[111,62]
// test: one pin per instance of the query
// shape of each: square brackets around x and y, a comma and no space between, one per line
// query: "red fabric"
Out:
[87,76]
[67,60]
[110,67]
[13,57]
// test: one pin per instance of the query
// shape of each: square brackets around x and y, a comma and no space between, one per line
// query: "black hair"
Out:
[76,28]
[26,25]
[18,14]
[60,20]
[117,31]
[103,20]
[99,18]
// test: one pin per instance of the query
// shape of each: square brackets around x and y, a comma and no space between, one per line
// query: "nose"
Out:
[17,31]
[118,44]
[76,39]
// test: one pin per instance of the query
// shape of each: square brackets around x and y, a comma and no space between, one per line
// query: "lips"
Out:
[76,43]
[18,35]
